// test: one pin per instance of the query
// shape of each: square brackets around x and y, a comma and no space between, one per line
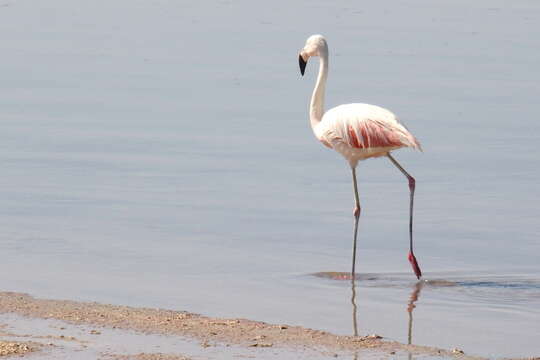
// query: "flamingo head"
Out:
[415,266]
[315,46]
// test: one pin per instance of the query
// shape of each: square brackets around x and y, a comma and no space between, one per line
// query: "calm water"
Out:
[159,154]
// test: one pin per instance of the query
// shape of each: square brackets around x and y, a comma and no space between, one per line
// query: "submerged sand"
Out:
[207,331]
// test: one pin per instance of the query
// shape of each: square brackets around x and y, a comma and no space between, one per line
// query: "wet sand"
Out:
[256,336]
[144,356]
[15,348]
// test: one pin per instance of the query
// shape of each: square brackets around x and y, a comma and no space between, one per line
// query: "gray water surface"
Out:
[159,154]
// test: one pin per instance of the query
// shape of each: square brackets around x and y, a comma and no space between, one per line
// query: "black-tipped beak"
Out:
[302,64]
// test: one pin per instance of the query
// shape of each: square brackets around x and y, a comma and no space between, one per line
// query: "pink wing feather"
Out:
[363,126]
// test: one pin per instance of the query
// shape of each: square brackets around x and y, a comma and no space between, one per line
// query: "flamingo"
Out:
[358,132]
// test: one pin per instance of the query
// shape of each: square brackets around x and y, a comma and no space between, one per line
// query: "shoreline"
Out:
[206,330]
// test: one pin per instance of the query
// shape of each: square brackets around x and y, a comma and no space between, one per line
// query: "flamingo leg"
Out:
[356,214]
[354,308]
[412,183]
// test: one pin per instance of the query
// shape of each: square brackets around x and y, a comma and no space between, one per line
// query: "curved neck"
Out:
[316,107]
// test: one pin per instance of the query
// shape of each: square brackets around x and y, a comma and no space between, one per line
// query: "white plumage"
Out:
[361,131]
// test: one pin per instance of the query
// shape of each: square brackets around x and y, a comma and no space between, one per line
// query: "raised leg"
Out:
[412,182]
[356,214]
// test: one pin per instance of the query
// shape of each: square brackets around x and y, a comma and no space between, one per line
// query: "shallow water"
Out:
[160,154]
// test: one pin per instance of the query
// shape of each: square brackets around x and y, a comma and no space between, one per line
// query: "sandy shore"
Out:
[205,331]
[15,348]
